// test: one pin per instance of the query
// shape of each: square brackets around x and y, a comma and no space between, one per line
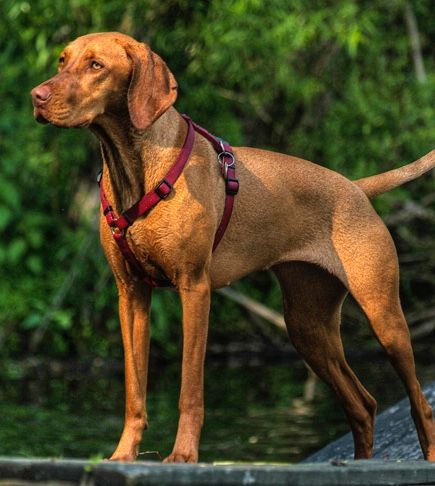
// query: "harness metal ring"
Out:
[221,156]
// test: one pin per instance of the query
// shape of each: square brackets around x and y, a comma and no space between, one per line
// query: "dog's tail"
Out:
[380,183]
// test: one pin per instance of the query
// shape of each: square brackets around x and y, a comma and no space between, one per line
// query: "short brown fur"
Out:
[313,227]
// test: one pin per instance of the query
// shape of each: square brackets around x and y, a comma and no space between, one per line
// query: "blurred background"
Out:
[347,84]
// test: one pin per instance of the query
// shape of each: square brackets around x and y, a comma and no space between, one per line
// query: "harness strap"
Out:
[231,189]
[119,224]
[161,191]
[228,168]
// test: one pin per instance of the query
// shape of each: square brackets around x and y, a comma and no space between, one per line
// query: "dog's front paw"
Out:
[182,456]
[122,457]
[127,454]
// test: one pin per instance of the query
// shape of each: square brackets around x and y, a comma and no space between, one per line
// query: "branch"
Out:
[414,38]
[269,314]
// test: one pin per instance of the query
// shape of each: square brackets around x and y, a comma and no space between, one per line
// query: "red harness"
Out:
[119,225]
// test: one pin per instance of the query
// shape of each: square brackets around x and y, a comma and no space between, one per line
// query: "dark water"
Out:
[253,413]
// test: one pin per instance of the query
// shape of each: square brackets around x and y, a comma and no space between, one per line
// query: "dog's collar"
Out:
[119,225]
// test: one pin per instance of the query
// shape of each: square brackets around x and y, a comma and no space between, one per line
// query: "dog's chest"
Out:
[150,244]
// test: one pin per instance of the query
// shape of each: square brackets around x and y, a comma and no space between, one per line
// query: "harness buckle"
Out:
[163,189]
[231,186]
[117,232]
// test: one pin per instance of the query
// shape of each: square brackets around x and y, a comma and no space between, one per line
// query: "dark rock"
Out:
[395,435]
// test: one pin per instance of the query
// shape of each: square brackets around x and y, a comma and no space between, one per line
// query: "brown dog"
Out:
[313,227]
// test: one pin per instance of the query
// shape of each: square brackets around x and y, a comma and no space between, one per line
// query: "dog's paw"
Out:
[180,457]
[122,457]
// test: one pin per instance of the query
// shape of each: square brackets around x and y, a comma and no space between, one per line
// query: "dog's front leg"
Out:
[195,299]
[134,307]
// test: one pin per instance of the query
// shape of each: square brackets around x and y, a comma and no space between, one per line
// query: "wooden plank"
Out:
[377,473]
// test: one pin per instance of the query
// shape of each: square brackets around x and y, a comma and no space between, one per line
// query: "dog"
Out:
[315,229]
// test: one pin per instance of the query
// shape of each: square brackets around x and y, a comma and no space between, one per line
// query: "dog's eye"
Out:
[96,65]
[61,61]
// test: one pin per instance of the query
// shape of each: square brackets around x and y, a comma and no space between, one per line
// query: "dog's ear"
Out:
[152,89]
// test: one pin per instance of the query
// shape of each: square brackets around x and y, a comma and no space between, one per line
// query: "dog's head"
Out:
[101,74]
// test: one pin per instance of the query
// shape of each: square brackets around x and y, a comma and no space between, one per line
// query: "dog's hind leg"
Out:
[372,273]
[390,328]
[312,307]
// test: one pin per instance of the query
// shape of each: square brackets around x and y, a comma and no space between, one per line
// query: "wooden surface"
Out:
[68,472]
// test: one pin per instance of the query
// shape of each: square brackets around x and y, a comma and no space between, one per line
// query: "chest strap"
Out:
[119,225]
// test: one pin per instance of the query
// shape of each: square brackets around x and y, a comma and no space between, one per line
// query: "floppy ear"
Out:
[152,89]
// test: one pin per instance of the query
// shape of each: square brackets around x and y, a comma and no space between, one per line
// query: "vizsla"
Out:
[315,229]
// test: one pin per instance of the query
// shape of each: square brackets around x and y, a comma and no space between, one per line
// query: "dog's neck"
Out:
[136,160]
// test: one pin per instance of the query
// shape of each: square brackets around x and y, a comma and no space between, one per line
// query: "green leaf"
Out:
[5,217]
[9,194]
[16,250]
[34,264]
[32,321]
[62,319]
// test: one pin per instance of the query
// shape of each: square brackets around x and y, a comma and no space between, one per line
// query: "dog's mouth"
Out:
[83,124]
[39,117]
[44,119]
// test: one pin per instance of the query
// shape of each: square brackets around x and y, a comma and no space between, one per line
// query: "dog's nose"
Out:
[40,95]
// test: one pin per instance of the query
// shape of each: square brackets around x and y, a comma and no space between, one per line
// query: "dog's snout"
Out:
[41,94]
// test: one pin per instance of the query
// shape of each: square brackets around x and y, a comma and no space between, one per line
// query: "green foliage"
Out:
[332,82]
